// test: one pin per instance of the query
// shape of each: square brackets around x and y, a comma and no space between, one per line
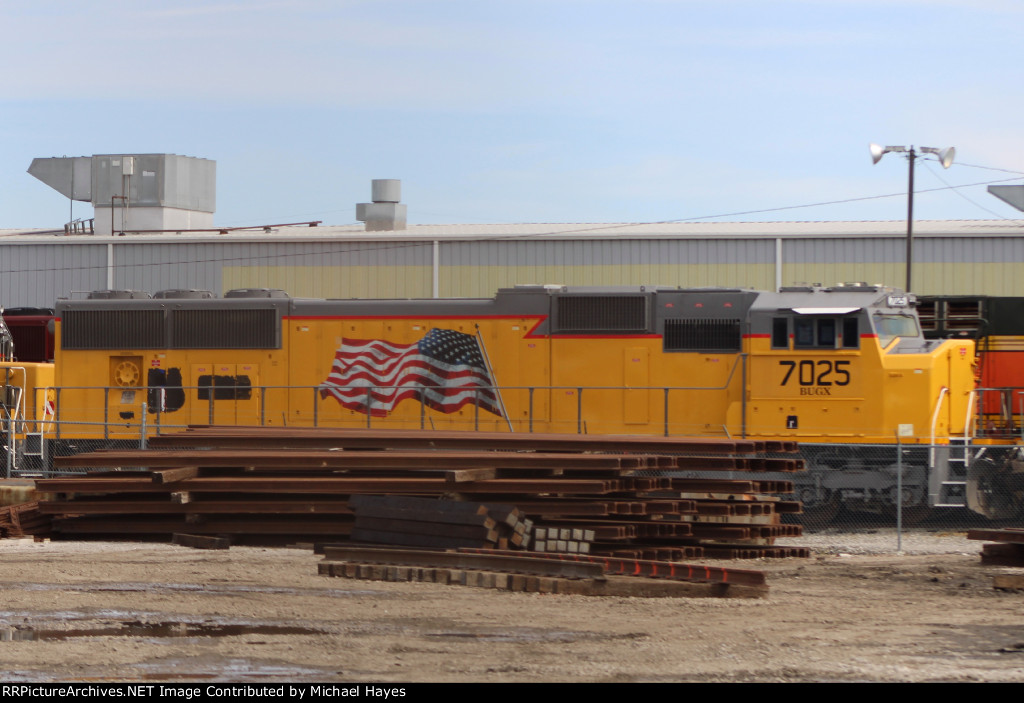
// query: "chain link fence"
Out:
[846,486]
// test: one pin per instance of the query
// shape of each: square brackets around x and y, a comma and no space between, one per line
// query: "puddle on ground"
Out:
[151,630]
[977,640]
[187,669]
[233,670]
[530,636]
[192,587]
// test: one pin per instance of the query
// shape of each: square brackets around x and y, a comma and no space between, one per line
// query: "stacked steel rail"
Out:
[1006,546]
[288,485]
[23,519]
[543,573]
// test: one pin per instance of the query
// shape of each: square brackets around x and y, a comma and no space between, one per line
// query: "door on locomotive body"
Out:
[807,375]
[702,361]
[225,394]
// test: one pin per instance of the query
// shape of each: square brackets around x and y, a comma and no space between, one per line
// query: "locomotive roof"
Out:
[533,299]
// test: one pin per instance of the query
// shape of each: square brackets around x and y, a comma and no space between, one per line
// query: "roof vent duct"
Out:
[136,192]
[385,213]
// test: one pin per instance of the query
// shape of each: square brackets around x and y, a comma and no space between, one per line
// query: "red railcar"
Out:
[997,326]
[32,330]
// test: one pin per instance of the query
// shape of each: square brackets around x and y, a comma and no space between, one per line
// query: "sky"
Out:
[511,111]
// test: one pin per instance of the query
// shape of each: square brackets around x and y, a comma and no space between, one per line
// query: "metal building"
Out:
[950,257]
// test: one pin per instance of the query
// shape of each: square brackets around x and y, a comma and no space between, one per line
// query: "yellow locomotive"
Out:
[839,369]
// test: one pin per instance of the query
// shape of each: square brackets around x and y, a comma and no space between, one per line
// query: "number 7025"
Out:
[817,373]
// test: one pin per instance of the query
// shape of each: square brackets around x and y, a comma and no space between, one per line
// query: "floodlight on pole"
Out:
[944,156]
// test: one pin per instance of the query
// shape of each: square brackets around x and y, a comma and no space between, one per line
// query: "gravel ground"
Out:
[856,611]
[887,541]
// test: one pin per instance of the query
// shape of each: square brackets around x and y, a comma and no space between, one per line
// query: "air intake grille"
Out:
[703,335]
[113,329]
[963,315]
[601,313]
[225,329]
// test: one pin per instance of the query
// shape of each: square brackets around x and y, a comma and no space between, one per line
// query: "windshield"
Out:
[889,327]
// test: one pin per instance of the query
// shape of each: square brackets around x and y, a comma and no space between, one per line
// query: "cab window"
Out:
[803,332]
[780,333]
[851,333]
[889,327]
[825,333]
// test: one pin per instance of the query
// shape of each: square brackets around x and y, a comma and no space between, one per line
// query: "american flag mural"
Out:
[445,370]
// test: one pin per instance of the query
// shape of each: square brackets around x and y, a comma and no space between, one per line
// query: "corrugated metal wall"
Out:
[36,274]
[476,269]
[36,270]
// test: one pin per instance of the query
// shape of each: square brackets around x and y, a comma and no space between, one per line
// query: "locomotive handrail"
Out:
[64,418]
[970,420]
[935,413]
[935,421]
[1006,392]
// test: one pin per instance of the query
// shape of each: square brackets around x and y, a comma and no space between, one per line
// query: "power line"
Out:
[988,168]
[977,205]
[510,237]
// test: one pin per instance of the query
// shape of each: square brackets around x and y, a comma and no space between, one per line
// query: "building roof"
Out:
[582,230]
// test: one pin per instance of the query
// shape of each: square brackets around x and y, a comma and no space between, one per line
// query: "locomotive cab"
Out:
[850,361]
[848,367]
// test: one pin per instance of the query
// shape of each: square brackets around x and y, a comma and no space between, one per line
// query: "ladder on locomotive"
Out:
[10,413]
[954,483]
[17,443]
[34,444]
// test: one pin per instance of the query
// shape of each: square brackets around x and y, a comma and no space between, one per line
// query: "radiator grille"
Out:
[225,329]
[187,329]
[703,335]
[113,329]
[601,313]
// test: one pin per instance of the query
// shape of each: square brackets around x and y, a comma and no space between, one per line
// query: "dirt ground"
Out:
[91,611]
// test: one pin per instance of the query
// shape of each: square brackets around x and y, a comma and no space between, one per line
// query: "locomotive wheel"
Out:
[994,491]
[914,512]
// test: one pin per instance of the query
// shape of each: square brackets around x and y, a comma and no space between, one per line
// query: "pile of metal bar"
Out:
[627,494]
[1006,548]
[23,519]
[425,522]
[547,573]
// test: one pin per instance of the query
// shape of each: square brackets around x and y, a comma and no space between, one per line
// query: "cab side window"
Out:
[780,333]
[816,333]
[803,333]
[851,333]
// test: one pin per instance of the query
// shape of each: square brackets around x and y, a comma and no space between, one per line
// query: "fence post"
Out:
[531,408]
[10,447]
[579,411]
[142,428]
[666,412]
[369,405]
[899,495]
